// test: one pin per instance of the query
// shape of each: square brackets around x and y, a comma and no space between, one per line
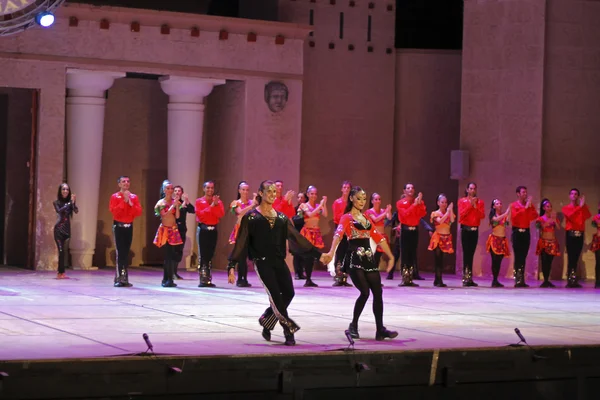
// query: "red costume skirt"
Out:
[314,236]
[498,244]
[234,233]
[167,234]
[550,247]
[444,242]
[595,243]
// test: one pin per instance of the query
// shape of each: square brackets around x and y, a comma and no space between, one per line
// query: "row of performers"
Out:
[174,206]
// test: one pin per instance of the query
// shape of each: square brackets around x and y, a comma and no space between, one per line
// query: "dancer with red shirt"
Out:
[283,203]
[338,206]
[168,209]
[359,261]
[311,230]
[378,217]
[239,207]
[209,211]
[125,207]
[441,239]
[470,213]
[410,211]
[497,243]
[522,214]
[547,246]
[595,247]
[576,213]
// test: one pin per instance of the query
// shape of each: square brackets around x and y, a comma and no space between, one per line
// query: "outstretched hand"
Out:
[325,258]
[231,277]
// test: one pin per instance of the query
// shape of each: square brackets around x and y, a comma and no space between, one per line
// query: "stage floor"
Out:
[86,317]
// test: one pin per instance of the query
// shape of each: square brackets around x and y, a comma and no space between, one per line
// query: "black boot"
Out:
[496,272]
[353,331]
[572,280]
[468,277]
[169,267]
[407,276]
[520,278]
[438,282]
[205,275]
[122,277]
[289,338]
[383,333]
[267,321]
[390,276]
[340,278]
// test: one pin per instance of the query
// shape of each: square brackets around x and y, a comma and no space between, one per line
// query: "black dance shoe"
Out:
[495,283]
[266,334]
[243,283]
[177,276]
[169,284]
[310,283]
[289,339]
[353,331]
[381,335]
[440,284]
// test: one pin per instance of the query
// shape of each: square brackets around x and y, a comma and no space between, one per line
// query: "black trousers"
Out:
[574,245]
[469,239]
[206,236]
[521,242]
[409,241]
[277,281]
[61,245]
[123,235]
[396,250]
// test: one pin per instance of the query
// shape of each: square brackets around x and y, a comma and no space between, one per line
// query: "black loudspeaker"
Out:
[459,164]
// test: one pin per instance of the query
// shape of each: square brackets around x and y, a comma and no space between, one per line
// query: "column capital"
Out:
[188,90]
[89,83]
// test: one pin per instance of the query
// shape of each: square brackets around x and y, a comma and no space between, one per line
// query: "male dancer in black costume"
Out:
[264,232]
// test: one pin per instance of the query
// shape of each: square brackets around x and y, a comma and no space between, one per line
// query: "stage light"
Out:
[44,19]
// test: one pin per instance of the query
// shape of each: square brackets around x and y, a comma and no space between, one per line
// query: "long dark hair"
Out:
[59,196]
[542,211]
[371,199]
[261,188]
[353,191]
[240,184]
[165,183]
[492,211]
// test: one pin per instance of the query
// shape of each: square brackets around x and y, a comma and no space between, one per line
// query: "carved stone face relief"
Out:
[276,96]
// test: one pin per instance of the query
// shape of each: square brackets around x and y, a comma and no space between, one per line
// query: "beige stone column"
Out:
[185,125]
[85,111]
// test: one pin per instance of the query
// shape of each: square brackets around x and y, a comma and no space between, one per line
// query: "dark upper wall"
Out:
[420,24]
